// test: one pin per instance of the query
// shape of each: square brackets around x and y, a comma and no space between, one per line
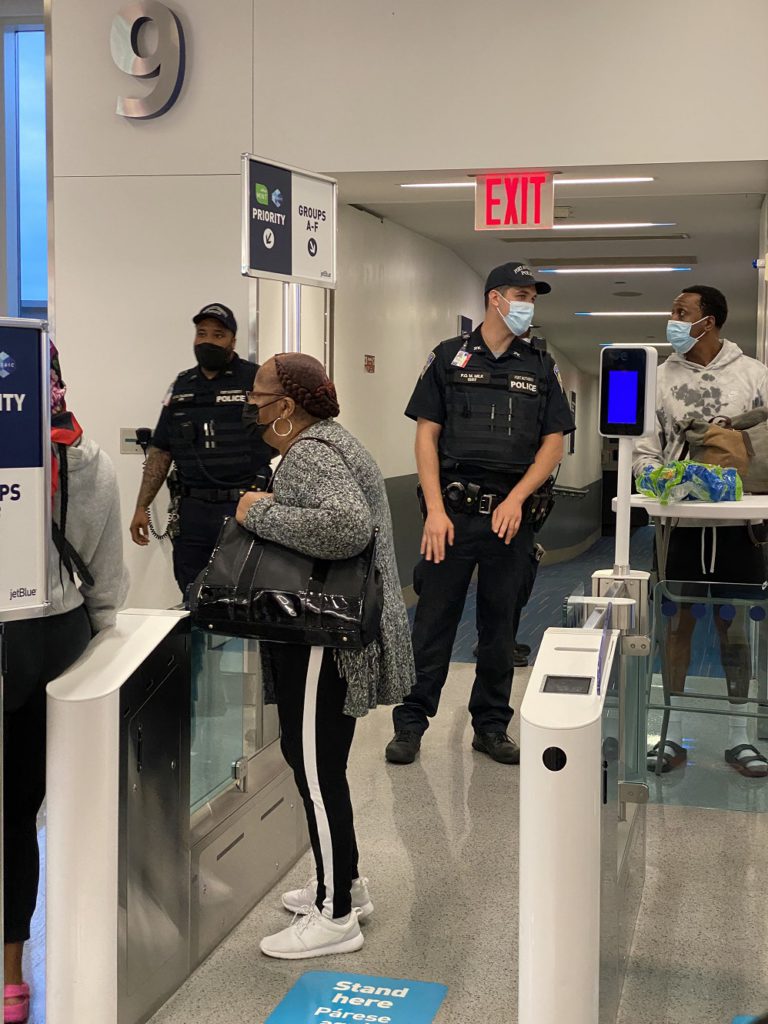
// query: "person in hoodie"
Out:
[706,376]
[88,584]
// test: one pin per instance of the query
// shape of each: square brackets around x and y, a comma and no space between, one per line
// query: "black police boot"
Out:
[403,747]
[521,656]
[498,746]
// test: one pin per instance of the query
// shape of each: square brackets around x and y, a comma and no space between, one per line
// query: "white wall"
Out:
[584,466]
[147,230]
[400,295]
[443,83]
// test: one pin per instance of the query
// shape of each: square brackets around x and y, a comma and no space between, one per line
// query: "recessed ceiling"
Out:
[715,209]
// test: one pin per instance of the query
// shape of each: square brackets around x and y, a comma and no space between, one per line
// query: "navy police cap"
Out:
[511,274]
[217,311]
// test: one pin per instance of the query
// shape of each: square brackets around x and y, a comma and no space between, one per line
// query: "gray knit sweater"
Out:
[320,508]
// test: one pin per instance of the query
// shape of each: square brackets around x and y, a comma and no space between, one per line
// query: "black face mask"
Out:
[210,356]
[251,422]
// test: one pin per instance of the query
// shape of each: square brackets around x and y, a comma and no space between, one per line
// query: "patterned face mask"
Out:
[65,430]
[58,387]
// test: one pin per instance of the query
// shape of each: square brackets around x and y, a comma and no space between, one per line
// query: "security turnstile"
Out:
[582,807]
[171,812]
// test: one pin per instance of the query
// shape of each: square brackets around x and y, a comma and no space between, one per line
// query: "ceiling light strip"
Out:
[557,181]
[601,181]
[614,227]
[643,312]
[613,270]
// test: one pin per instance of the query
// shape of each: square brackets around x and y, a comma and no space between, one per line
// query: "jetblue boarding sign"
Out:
[321,997]
[289,224]
[25,507]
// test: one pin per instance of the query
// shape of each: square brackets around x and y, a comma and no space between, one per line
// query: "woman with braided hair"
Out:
[328,497]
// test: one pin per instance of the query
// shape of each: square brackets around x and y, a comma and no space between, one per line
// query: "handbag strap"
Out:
[339,452]
[317,440]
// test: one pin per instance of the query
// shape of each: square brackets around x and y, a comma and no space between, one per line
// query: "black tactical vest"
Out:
[208,443]
[494,411]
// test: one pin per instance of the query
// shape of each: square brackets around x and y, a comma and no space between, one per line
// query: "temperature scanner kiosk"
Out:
[582,847]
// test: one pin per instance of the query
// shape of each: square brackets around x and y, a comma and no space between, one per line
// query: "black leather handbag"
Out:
[256,588]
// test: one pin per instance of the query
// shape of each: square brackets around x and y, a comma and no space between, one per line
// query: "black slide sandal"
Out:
[743,759]
[673,757]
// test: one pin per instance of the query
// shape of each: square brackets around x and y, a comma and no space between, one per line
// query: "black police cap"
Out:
[217,311]
[515,274]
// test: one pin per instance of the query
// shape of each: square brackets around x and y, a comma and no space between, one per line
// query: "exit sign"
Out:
[514,201]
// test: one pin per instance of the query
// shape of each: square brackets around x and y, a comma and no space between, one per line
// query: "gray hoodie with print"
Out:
[732,383]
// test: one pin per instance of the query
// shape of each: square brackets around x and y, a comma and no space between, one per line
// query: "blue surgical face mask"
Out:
[679,335]
[519,318]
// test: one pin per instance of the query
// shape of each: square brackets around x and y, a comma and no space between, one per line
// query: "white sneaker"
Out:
[314,935]
[298,900]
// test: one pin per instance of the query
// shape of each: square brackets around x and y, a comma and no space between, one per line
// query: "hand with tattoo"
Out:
[155,471]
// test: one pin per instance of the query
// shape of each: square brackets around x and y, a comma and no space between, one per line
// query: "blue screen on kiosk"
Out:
[622,396]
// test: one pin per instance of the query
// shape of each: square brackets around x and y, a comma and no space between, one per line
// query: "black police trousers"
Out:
[526,587]
[200,523]
[503,570]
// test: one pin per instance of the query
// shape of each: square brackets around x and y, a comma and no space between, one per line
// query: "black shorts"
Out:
[737,560]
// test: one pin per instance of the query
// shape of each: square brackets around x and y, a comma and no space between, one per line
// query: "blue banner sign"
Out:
[321,997]
[24,486]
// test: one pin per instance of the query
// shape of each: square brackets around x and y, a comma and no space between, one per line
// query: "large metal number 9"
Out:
[166,64]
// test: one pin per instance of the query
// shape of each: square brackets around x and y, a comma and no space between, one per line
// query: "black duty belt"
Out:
[214,494]
[470,499]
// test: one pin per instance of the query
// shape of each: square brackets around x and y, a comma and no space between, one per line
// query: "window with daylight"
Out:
[26,194]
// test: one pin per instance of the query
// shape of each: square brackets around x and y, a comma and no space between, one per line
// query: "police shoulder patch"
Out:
[430,360]
[167,395]
[556,371]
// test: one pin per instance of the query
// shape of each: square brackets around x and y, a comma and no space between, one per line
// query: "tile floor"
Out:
[439,844]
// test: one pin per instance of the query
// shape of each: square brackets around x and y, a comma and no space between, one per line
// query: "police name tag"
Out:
[525,383]
[474,376]
[461,358]
[230,396]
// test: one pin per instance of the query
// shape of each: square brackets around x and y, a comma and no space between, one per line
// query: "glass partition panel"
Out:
[707,695]
[229,718]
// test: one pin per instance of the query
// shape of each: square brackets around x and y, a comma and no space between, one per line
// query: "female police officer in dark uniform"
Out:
[491,416]
[200,429]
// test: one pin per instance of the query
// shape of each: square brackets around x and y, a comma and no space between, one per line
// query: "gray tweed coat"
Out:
[321,509]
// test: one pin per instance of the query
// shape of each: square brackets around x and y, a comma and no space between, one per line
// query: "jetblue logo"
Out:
[17,595]
[10,492]
[7,365]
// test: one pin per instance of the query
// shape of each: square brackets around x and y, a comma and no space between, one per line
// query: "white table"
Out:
[752,509]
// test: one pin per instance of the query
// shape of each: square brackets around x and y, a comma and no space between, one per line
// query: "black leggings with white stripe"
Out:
[316,739]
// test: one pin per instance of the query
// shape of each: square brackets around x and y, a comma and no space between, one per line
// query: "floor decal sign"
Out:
[322,997]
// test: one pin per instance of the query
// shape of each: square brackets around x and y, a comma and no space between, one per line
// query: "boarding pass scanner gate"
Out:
[582,738]
[152,857]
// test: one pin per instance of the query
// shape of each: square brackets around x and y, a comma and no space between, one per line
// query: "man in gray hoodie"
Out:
[706,376]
